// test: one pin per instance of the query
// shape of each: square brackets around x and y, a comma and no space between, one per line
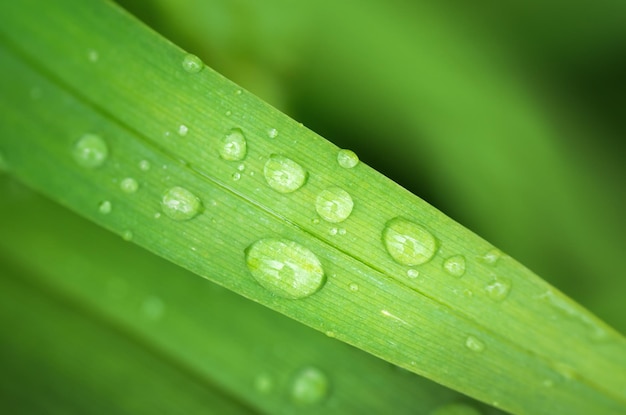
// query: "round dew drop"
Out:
[192,63]
[272,133]
[285,268]
[180,204]
[105,207]
[347,159]
[498,289]
[144,165]
[334,204]
[90,151]
[455,266]
[309,386]
[408,243]
[283,174]
[474,344]
[233,146]
[129,185]
[182,130]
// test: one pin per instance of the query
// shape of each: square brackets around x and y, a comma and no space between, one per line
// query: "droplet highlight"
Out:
[474,344]
[90,151]
[455,266]
[310,386]
[129,185]
[233,146]
[498,289]
[347,159]
[334,204]
[283,174]
[285,268]
[192,63]
[180,204]
[408,243]
[105,207]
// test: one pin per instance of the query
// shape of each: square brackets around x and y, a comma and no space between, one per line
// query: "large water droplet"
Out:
[129,185]
[180,204]
[310,386]
[455,266]
[234,146]
[90,151]
[455,409]
[192,63]
[498,289]
[408,243]
[334,204]
[283,174]
[105,207]
[347,159]
[474,344]
[285,268]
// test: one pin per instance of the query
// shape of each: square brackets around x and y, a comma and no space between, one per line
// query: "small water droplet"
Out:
[331,334]
[129,185]
[285,268]
[408,243]
[105,207]
[333,231]
[180,204]
[127,235]
[182,130]
[492,256]
[455,409]
[474,344]
[334,204]
[347,159]
[153,308]
[236,176]
[233,146]
[157,215]
[455,266]
[354,286]
[144,165]
[412,273]
[90,151]
[310,386]
[229,113]
[283,174]
[342,231]
[498,289]
[315,221]
[272,133]
[238,92]
[192,63]
[241,167]
[93,55]
[263,383]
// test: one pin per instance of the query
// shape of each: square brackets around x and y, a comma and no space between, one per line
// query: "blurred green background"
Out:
[509,117]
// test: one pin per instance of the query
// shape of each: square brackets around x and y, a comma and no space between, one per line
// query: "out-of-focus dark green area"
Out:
[509,117]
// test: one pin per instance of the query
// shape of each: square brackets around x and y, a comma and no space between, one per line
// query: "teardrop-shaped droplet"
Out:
[455,266]
[408,243]
[283,174]
[180,204]
[334,204]
[90,151]
[498,289]
[234,146]
[285,268]
[347,159]
[192,63]
[310,386]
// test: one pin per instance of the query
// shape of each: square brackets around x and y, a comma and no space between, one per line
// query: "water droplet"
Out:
[342,231]
[144,165]
[309,386]
[571,310]
[474,344]
[455,409]
[241,167]
[333,231]
[182,130]
[129,185]
[233,146]
[272,133]
[127,235]
[283,174]
[347,159]
[331,334]
[90,151]
[354,286]
[229,113]
[412,273]
[180,204]
[236,176]
[263,383]
[153,308]
[157,215]
[492,256]
[238,92]
[105,207]
[93,55]
[192,63]
[455,266]
[334,204]
[498,289]
[285,268]
[408,243]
